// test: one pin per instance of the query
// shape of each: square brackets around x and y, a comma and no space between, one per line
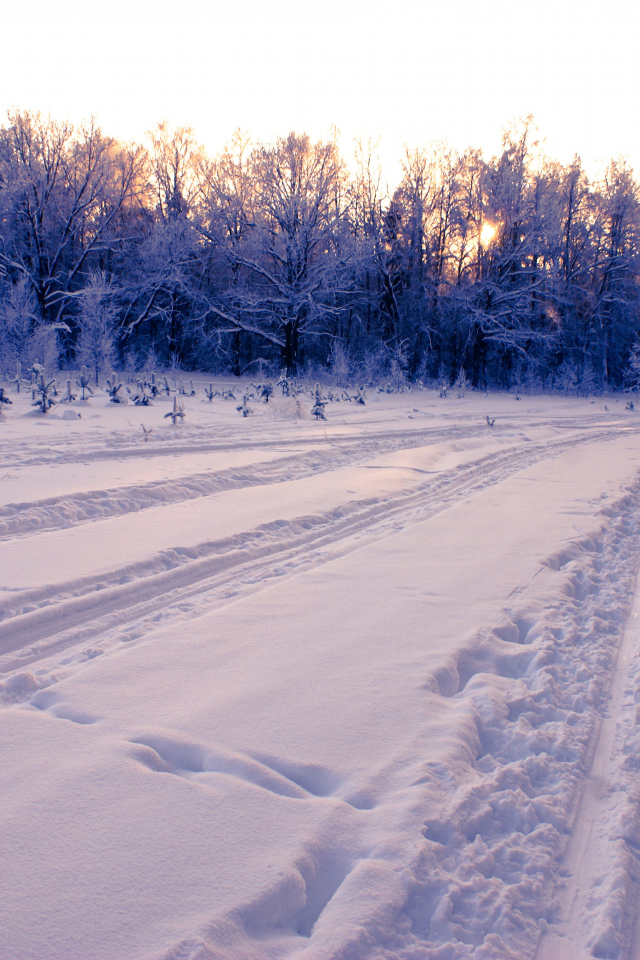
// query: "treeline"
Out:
[514,269]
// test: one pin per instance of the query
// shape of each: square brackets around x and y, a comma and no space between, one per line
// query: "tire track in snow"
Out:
[51,513]
[26,519]
[116,445]
[51,618]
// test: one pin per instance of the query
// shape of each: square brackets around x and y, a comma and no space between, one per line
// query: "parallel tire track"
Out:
[51,618]
[19,519]
[25,519]
[125,446]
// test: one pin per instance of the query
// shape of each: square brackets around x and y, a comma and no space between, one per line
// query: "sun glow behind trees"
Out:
[276,252]
[487,234]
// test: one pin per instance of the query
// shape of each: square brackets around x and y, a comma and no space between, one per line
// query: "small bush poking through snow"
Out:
[177,413]
[43,392]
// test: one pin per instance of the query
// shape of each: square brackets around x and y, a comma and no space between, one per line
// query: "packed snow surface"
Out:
[275,687]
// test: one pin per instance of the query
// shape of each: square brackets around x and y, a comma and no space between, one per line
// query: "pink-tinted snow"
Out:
[274,687]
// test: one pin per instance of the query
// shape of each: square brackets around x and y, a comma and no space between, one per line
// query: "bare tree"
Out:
[281,238]
[61,192]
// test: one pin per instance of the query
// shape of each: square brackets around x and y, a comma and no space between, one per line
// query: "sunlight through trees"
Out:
[508,267]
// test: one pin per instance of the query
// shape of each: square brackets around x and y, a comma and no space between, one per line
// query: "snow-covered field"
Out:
[274,687]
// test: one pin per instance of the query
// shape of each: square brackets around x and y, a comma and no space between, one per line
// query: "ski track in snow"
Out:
[551,693]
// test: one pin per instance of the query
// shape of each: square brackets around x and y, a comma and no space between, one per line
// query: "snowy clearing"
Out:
[275,687]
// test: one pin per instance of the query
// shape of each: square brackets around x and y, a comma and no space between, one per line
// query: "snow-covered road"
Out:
[355,689]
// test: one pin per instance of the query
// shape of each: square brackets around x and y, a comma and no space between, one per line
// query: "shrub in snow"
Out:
[443,380]
[515,382]
[283,382]
[245,409]
[39,373]
[152,362]
[319,404]
[69,395]
[532,380]
[187,393]
[83,383]
[18,379]
[3,399]
[113,390]
[156,388]
[357,397]
[45,342]
[177,413]
[373,366]
[43,392]
[210,393]
[525,379]
[141,396]
[130,365]
[264,390]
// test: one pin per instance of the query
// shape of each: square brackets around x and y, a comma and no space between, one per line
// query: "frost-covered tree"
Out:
[567,377]
[67,197]
[340,363]
[24,338]
[462,382]
[18,321]
[270,252]
[398,363]
[282,250]
[98,313]
[588,380]
[614,289]
[632,373]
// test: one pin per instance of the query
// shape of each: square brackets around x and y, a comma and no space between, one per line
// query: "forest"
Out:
[517,270]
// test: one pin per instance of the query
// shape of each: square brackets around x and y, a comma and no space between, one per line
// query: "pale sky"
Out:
[401,72]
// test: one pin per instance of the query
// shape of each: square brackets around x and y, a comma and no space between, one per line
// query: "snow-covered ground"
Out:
[362,688]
